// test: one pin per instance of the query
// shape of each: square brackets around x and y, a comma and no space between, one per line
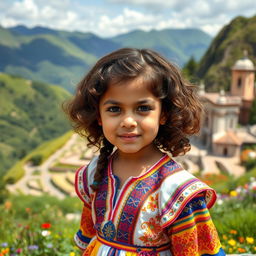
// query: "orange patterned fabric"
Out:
[194,234]
[87,223]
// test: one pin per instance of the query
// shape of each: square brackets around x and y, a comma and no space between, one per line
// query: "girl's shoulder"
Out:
[178,188]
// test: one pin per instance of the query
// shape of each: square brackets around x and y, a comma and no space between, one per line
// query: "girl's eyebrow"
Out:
[114,102]
[111,102]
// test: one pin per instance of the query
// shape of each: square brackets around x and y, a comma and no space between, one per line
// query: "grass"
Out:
[38,226]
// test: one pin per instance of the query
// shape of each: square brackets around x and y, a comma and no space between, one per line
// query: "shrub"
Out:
[36,160]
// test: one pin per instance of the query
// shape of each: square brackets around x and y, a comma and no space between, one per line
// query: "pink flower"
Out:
[19,250]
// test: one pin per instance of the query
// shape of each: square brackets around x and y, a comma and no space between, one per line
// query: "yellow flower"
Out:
[72,254]
[233,193]
[225,237]
[232,242]
[249,240]
[230,250]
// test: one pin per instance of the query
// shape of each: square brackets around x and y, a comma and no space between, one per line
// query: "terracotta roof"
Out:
[229,138]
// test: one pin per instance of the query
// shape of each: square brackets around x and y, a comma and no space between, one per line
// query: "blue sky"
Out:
[108,18]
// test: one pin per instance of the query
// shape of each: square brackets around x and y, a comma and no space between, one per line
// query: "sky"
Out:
[108,18]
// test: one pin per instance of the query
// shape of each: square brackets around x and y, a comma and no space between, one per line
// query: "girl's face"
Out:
[130,115]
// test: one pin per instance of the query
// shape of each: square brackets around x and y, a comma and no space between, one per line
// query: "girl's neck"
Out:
[144,155]
[127,165]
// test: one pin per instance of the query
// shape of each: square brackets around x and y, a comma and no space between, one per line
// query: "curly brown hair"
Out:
[180,104]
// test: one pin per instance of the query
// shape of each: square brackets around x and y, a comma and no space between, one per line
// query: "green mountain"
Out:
[51,56]
[30,113]
[226,48]
[61,57]
[177,45]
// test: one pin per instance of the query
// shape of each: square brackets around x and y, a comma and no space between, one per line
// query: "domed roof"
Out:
[244,63]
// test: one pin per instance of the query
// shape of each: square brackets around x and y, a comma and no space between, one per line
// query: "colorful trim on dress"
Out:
[131,248]
[181,194]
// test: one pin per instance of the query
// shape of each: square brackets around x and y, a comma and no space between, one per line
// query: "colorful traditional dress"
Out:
[162,212]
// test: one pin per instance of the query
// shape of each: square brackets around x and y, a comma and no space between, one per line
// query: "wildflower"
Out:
[28,210]
[232,242]
[233,193]
[232,231]
[46,225]
[72,254]
[249,240]
[19,250]
[230,250]
[225,237]
[5,251]
[46,233]
[33,247]
[241,249]
[4,245]
[8,205]
[241,239]
[219,202]
[49,245]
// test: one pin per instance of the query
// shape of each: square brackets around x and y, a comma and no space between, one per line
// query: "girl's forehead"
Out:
[128,91]
[132,86]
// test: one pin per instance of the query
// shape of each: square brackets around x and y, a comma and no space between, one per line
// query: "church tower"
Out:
[242,85]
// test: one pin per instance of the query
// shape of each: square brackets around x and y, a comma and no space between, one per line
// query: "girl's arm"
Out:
[193,232]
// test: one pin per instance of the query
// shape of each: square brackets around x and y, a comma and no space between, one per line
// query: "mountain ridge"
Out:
[59,57]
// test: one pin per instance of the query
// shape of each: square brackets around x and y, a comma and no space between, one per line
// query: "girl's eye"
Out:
[144,108]
[114,109]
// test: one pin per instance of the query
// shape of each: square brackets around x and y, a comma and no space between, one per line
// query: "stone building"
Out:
[242,84]
[224,111]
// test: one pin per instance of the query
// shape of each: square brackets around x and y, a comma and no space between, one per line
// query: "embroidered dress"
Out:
[163,212]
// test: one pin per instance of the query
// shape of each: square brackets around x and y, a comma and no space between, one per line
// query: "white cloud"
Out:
[120,16]
[26,8]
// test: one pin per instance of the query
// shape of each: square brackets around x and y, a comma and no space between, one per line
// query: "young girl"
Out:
[135,106]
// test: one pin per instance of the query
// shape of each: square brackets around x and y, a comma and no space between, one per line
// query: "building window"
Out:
[225,151]
[231,123]
[239,82]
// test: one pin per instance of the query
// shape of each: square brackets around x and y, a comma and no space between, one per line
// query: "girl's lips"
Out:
[128,137]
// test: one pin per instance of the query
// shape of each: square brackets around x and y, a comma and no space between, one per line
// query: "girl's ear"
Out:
[99,121]
[163,119]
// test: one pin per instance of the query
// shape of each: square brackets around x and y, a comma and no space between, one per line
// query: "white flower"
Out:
[46,233]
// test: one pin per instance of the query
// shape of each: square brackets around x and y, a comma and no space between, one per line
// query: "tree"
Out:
[189,70]
[252,119]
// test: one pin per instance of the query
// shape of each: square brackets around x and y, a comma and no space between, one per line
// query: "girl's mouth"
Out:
[129,137]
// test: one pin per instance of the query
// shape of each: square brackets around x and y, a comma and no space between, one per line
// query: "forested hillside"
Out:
[226,48]
[30,113]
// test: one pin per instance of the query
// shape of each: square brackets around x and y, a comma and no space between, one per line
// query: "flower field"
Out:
[235,218]
[45,225]
[38,226]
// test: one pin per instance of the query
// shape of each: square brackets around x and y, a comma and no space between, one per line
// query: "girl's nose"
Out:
[128,122]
